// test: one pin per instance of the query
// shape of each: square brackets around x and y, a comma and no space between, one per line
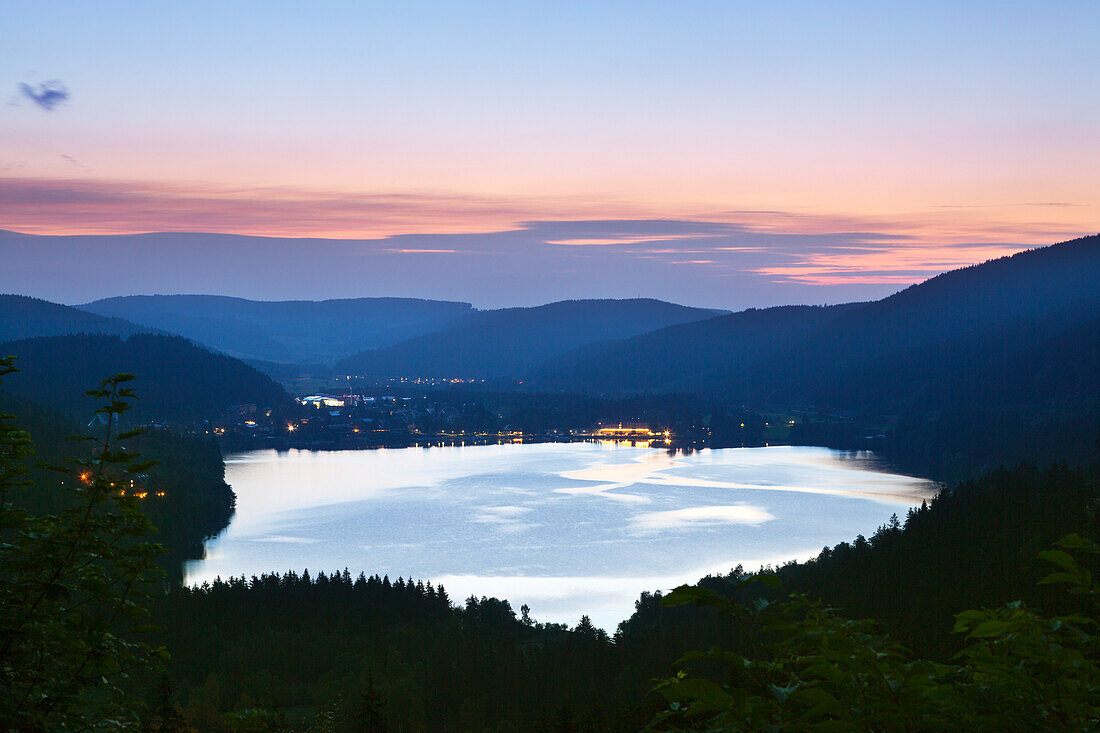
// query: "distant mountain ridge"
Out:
[901,352]
[293,331]
[510,342]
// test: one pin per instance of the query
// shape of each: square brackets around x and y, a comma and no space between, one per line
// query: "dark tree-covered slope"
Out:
[510,342]
[303,642]
[848,356]
[975,545]
[177,380]
[987,366]
[1020,287]
[1040,404]
[676,358]
[22,317]
[285,331]
[1053,287]
[1060,372]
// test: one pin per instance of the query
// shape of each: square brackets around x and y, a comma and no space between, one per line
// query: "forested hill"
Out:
[512,341]
[1059,372]
[22,317]
[1031,363]
[673,359]
[974,546]
[1027,297]
[300,331]
[177,380]
[954,323]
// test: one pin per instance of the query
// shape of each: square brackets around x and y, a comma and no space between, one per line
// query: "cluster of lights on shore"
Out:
[135,491]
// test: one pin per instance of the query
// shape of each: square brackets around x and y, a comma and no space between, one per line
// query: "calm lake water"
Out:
[567,528]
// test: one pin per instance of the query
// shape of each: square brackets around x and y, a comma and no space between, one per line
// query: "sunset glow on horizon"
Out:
[914,141]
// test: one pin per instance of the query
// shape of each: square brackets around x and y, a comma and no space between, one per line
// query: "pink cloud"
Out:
[420,251]
[900,263]
[789,248]
[81,206]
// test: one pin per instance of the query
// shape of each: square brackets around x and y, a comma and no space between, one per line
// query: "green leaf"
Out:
[990,628]
[1077,542]
[1055,578]
[818,698]
[700,690]
[1058,557]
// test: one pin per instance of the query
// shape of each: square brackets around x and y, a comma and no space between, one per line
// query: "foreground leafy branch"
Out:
[75,585]
[804,667]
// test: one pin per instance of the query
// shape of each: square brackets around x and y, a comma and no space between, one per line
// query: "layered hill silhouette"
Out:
[292,331]
[962,333]
[988,311]
[988,359]
[510,342]
[177,380]
[23,317]
[900,351]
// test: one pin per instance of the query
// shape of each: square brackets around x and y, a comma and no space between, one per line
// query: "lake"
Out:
[567,528]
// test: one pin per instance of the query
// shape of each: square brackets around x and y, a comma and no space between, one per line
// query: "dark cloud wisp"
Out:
[47,95]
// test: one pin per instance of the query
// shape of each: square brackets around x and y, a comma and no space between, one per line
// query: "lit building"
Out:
[320,401]
[627,431]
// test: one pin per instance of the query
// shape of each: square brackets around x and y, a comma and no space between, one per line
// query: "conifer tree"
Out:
[368,716]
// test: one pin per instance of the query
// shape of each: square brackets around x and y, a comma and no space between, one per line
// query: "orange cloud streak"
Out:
[901,264]
[875,249]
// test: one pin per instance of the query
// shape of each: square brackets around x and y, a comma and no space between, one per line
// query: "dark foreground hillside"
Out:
[339,651]
[181,384]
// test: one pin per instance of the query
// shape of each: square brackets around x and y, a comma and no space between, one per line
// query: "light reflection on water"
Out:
[566,528]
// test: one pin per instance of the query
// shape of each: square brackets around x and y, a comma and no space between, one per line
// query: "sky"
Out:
[725,154]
